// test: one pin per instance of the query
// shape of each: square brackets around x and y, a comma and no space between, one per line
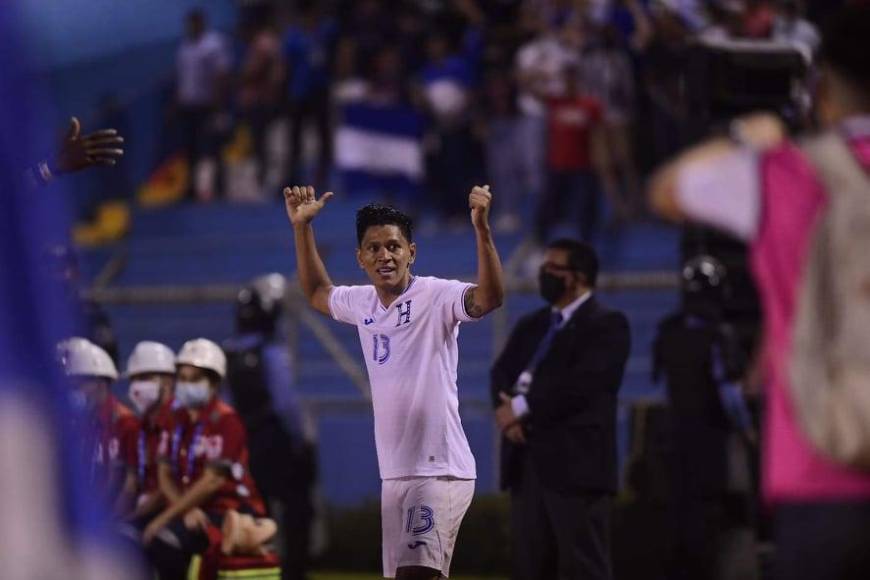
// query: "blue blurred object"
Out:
[45,488]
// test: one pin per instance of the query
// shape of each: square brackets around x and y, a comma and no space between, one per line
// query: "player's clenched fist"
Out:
[302,205]
[480,200]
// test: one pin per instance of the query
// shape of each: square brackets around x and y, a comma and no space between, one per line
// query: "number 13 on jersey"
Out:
[381,348]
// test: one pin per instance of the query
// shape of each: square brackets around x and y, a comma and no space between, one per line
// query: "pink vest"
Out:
[792,199]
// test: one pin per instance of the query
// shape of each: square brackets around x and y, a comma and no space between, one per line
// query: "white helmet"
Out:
[65,346]
[204,354]
[82,358]
[151,357]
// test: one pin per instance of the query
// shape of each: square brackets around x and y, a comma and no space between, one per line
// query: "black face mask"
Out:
[551,287]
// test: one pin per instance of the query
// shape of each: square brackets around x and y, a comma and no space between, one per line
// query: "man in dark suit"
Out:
[555,390]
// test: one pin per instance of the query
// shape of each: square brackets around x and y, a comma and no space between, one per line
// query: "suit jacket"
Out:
[571,427]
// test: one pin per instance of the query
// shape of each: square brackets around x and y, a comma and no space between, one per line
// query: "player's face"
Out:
[386,255]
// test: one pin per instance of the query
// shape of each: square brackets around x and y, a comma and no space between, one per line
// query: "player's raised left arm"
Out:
[488,294]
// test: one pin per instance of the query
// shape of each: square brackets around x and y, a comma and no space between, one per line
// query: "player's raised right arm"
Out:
[302,207]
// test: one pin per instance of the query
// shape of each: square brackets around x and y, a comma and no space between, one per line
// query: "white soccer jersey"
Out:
[411,353]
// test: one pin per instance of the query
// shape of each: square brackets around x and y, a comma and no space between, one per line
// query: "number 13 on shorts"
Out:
[421,519]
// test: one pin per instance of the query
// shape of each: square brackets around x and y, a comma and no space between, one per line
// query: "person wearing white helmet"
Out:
[111,447]
[151,370]
[209,455]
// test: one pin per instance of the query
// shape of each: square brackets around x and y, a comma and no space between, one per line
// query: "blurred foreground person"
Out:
[805,211]
[698,354]
[78,152]
[260,379]
[54,523]
[209,456]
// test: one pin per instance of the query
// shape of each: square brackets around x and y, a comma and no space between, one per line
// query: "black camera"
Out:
[728,78]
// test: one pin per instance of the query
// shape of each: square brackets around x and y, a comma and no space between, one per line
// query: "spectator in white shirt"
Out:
[202,68]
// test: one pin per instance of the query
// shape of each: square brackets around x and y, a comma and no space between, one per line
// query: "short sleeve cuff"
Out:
[466,316]
[331,303]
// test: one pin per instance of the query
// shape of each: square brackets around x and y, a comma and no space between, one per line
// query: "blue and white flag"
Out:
[379,151]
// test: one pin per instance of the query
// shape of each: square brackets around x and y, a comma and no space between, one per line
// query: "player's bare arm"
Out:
[488,294]
[302,207]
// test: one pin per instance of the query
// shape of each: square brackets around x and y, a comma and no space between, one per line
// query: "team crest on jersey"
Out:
[404,311]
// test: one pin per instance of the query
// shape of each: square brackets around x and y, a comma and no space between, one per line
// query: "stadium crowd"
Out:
[556,103]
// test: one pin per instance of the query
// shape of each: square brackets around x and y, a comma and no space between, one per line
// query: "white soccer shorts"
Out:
[420,518]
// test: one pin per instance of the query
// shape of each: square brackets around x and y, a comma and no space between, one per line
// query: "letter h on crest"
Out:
[404,315]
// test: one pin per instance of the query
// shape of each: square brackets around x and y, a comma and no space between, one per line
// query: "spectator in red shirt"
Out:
[151,369]
[574,157]
[261,81]
[112,428]
[210,457]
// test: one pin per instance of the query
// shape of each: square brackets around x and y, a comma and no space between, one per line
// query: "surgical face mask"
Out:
[192,394]
[143,395]
[550,286]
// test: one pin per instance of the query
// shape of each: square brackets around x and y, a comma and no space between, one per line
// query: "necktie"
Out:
[524,381]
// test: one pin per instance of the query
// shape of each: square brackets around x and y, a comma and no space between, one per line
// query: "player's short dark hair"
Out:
[375,214]
[846,44]
[581,258]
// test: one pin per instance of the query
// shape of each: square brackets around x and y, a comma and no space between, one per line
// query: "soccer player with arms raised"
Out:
[408,327]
